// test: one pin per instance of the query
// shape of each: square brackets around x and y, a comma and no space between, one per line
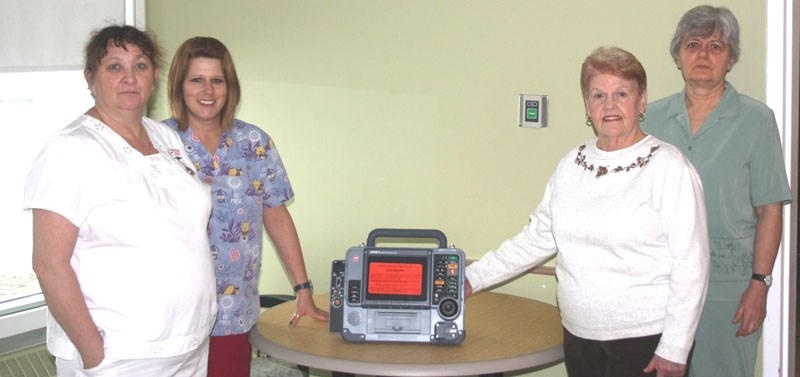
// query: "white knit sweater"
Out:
[631,245]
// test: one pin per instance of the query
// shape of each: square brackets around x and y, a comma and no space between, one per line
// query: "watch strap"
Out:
[302,286]
[766,279]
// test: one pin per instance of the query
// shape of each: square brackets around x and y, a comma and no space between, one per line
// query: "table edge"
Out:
[543,357]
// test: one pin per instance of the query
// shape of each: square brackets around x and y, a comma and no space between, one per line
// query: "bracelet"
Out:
[302,286]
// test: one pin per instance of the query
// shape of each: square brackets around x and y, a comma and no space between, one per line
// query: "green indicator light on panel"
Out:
[533,113]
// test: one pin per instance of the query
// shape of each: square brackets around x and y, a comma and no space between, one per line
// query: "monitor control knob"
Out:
[448,308]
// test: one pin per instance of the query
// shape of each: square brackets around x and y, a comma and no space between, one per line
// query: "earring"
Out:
[589,121]
[641,116]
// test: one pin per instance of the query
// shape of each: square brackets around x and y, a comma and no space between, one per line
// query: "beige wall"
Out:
[404,113]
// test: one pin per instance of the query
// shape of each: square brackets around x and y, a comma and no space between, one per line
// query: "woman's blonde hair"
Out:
[614,61]
[202,47]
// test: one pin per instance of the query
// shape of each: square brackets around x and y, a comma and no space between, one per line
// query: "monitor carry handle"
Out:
[407,233]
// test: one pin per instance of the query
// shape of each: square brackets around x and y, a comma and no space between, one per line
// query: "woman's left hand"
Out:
[752,309]
[306,306]
[665,368]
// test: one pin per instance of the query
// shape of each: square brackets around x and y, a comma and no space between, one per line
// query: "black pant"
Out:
[611,358]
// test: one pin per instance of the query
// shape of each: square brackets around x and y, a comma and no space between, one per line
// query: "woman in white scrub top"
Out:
[119,225]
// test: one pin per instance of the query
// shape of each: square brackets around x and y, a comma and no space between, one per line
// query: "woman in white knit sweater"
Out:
[624,214]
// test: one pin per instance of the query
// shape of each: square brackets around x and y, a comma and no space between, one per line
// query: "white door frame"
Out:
[778,351]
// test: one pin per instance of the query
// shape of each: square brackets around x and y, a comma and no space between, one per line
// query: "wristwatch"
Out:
[302,286]
[766,279]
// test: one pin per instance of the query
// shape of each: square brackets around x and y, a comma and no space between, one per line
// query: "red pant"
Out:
[229,356]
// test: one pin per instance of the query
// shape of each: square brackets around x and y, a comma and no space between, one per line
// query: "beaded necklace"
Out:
[603,170]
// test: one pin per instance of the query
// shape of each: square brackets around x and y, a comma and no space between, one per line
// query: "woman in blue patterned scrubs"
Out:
[249,189]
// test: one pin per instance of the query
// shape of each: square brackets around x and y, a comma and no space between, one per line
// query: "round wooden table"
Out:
[504,333]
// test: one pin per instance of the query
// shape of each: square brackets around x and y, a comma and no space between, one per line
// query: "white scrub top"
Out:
[142,256]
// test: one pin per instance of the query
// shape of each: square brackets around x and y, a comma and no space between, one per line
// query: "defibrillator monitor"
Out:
[399,294]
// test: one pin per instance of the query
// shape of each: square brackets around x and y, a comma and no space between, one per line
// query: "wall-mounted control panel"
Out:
[532,110]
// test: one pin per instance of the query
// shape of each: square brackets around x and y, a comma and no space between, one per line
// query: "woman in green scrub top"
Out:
[734,144]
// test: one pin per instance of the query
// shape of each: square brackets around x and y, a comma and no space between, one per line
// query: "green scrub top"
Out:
[738,154]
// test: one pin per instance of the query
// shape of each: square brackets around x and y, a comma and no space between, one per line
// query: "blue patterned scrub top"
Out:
[246,175]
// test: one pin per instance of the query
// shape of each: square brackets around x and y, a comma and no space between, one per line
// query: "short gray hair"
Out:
[702,21]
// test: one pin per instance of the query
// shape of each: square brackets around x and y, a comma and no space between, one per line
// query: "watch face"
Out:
[766,279]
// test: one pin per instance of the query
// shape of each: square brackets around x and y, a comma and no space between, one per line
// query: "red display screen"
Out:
[396,279]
